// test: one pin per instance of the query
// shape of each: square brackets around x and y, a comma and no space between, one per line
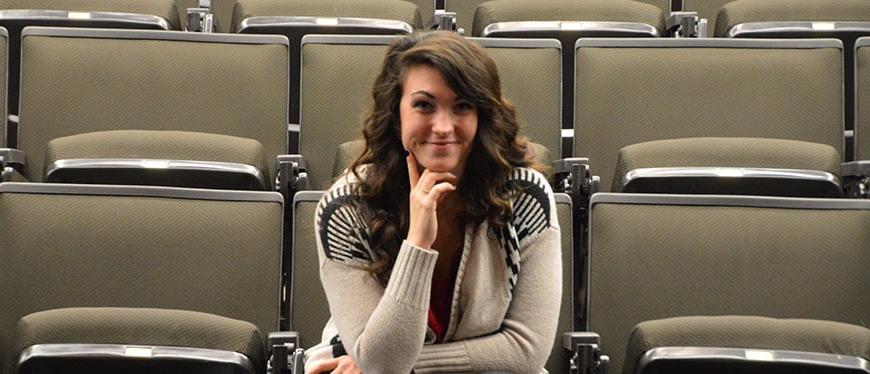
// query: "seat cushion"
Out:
[378,9]
[160,145]
[166,9]
[727,152]
[747,332]
[745,11]
[141,326]
[567,10]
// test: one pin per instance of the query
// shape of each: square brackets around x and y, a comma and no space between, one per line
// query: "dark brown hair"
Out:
[382,192]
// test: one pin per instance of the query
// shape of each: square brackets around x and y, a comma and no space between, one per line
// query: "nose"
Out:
[443,123]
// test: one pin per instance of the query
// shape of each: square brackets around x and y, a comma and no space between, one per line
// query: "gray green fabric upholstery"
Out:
[348,152]
[222,10]
[427,11]
[862,101]
[664,5]
[566,10]
[74,85]
[727,152]
[336,92]
[660,261]
[162,8]
[141,326]
[708,9]
[378,9]
[632,95]
[747,332]
[209,254]
[745,11]
[168,145]
[531,80]
[310,310]
[558,361]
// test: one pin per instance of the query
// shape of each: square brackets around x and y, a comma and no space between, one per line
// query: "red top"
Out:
[440,301]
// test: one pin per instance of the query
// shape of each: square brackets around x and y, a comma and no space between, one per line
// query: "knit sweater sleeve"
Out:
[526,336]
[382,328]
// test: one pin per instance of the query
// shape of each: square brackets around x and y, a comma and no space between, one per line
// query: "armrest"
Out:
[586,357]
[12,156]
[9,174]
[573,176]
[200,18]
[285,354]
[292,175]
[855,168]
[856,178]
[686,25]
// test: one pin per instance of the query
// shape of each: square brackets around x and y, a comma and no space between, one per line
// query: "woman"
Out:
[439,249]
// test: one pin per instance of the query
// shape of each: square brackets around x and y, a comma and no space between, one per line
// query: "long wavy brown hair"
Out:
[381,195]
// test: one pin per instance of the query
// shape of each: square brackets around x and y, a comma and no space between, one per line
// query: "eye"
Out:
[463,107]
[422,105]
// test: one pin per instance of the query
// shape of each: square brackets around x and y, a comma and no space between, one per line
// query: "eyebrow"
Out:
[423,93]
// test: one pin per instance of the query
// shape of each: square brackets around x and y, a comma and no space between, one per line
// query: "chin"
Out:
[441,166]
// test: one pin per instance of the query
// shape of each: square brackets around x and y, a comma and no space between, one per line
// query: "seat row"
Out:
[161,279]
[563,20]
[772,110]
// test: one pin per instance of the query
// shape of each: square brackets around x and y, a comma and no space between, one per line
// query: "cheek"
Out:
[404,120]
[469,128]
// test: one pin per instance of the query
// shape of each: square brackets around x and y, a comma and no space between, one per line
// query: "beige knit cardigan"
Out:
[506,296]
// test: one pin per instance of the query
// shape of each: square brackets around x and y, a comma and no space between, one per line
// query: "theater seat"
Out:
[567,21]
[748,345]
[297,18]
[846,20]
[15,15]
[137,340]
[156,99]
[632,91]
[662,256]
[745,166]
[83,246]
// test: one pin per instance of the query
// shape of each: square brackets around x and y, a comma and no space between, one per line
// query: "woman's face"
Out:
[437,127]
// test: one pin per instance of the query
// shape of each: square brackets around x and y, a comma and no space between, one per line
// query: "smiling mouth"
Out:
[440,143]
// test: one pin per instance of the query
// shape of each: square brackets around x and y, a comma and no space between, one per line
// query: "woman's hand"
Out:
[427,190]
[338,365]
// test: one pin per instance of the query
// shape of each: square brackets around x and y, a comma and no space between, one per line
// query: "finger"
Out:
[413,172]
[431,178]
[322,366]
[440,190]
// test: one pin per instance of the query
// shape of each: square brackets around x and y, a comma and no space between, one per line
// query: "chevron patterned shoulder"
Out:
[531,207]
[341,231]
[531,216]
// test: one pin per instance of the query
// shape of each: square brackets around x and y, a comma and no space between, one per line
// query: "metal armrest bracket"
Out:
[574,178]
[292,176]
[686,25]
[856,179]
[201,19]
[445,21]
[286,356]
[586,357]
[9,159]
